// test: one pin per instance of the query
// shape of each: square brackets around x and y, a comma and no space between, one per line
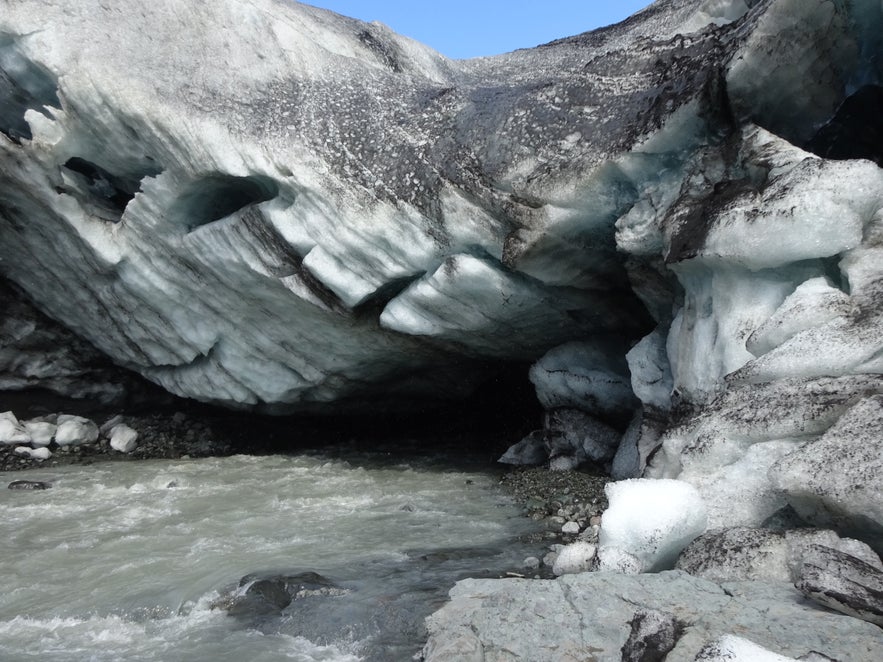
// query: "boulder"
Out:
[75,430]
[606,616]
[574,558]
[529,451]
[123,438]
[573,438]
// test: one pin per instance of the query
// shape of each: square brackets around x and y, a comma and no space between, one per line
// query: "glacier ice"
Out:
[650,521]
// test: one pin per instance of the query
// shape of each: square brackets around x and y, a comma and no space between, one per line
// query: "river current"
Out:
[126,560]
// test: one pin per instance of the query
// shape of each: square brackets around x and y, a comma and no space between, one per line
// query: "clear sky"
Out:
[471,28]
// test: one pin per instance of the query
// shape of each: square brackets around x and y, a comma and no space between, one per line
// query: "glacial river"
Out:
[124,560]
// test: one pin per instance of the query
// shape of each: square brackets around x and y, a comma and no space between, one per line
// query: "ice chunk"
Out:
[41,454]
[74,430]
[650,371]
[591,376]
[731,648]
[837,480]
[737,493]
[652,520]
[11,431]
[813,303]
[41,432]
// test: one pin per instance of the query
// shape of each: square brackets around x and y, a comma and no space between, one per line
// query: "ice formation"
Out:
[651,521]
[678,220]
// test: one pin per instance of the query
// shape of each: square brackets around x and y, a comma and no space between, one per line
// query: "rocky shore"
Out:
[60,439]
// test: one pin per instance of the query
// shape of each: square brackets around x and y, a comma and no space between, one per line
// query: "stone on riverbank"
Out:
[123,439]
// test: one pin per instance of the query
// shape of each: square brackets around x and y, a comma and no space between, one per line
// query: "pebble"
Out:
[531,563]
[570,527]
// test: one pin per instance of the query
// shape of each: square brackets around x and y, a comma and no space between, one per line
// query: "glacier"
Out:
[672,227]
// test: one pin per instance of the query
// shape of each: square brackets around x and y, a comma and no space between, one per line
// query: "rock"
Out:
[123,438]
[75,430]
[571,528]
[653,636]
[531,563]
[651,521]
[837,480]
[29,485]
[574,437]
[596,614]
[259,597]
[41,453]
[529,451]
[843,583]
[574,558]
[108,426]
[11,431]
[40,432]
[760,554]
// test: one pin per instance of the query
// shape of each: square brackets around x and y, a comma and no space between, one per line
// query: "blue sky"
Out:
[470,28]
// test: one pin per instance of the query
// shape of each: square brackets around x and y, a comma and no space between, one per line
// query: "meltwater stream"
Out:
[124,560]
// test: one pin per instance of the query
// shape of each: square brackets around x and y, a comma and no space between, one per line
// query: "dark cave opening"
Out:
[855,131]
[217,196]
[23,86]
[476,430]
[102,190]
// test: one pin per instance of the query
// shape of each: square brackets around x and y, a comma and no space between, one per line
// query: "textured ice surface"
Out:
[761,554]
[731,648]
[651,520]
[837,480]
[591,376]
[312,210]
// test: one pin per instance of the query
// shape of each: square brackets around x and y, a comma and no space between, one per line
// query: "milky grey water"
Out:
[122,561]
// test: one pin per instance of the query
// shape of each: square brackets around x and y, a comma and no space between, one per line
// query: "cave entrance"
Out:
[218,196]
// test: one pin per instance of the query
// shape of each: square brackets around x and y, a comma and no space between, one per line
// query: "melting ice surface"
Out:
[123,560]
